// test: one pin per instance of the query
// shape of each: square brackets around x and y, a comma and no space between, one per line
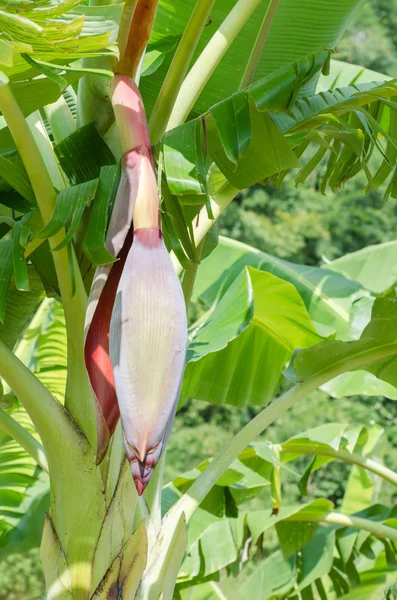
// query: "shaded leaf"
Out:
[82,154]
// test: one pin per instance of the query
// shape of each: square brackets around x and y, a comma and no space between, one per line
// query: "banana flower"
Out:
[136,328]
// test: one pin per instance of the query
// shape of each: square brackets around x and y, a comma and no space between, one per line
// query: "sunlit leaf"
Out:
[237,355]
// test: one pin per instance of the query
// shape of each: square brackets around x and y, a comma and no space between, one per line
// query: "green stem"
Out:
[209,59]
[348,457]
[178,69]
[189,276]
[46,413]
[142,513]
[125,25]
[136,38]
[153,493]
[259,44]
[334,518]
[24,439]
[78,395]
[205,482]
[219,203]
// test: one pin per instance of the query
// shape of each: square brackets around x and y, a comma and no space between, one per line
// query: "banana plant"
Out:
[111,215]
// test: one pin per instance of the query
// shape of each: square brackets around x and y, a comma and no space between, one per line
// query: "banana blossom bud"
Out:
[136,328]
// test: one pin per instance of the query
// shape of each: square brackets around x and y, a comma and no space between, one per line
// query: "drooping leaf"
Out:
[260,521]
[13,171]
[261,317]
[342,74]
[237,132]
[328,296]
[94,240]
[361,488]
[267,154]
[183,152]
[82,154]
[373,267]
[19,307]
[70,205]
[381,332]
[35,93]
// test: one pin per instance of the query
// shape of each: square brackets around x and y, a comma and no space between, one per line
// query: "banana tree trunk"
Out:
[89,547]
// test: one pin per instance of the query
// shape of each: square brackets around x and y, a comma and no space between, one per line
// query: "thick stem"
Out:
[259,44]
[348,457]
[334,518]
[205,482]
[24,439]
[125,25]
[139,32]
[209,59]
[218,204]
[189,276]
[178,69]
[78,394]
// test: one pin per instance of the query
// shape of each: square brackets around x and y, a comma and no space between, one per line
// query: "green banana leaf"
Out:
[374,267]
[328,296]
[380,332]
[238,354]
[296,17]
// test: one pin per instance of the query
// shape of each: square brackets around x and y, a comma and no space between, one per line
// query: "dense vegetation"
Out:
[301,225]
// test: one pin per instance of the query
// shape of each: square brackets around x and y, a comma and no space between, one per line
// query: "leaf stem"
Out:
[259,44]
[78,395]
[335,518]
[46,413]
[189,276]
[24,439]
[178,69]
[209,59]
[348,457]
[205,482]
